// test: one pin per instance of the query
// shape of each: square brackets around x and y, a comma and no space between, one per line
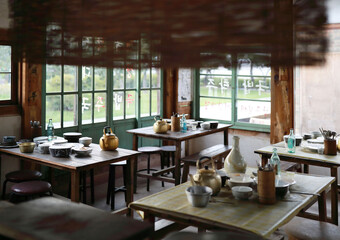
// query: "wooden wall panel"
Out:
[31,98]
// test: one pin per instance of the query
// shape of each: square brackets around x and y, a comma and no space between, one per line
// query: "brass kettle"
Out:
[207,177]
[160,126]
[109,141]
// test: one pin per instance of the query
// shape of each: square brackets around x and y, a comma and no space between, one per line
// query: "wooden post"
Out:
[282,91]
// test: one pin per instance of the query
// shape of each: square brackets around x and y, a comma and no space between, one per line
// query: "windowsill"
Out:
[9,110]
[252,129]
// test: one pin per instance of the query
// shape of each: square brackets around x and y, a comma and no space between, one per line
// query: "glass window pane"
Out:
[99,107]
[5,86]
[53,110]
[70,78]
[247,67]
[131,78]
[215,108]
[130,104]
[53,78]
[215,86]
[100,78]
[145,78]
[87,73]
[156,78]
[156,102]
[145,103]
[86,108]
[70,110]
[118,105]
[253,112]
[87,46]
[219,70]
[118,78]
[253,88]
[5,58]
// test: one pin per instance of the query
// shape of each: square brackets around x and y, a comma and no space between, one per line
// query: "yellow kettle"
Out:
[160,126]
[109,141]
[207,177]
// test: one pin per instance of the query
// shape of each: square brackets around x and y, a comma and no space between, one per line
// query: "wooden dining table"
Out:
[178,138]
[75,165]
[224,212]
[50,218]
[307,158]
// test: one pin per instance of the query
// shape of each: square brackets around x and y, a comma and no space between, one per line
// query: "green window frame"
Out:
[229,95]
[8,87]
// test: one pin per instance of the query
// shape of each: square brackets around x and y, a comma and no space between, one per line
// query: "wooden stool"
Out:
[30,188]
[149,151]
[83,186]
[166,152]
[305,229]
[111,187]
[20,176]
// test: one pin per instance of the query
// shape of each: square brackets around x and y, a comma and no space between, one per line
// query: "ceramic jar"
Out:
[234,162]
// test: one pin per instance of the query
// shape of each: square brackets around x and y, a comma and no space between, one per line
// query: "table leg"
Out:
[225,137]
[178,163]
[334,195]
[75,186]
[130,178]
[135,142]
[305,168]
[322,207]
[264,159]
[135,147]
[187,149]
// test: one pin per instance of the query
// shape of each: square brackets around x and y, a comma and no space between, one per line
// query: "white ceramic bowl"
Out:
[44,148]
[240,179]
[82,151]
[86,141]
[205,126]
[242,192]
[60,150]
[198,196]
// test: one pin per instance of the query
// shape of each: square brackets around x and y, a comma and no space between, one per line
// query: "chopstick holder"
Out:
[175,124]
[266,186]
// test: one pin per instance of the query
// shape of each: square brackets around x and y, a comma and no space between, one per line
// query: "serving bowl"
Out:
[86,141]
[27,147]
[281,189]
[240,179]
[242,192]
[60,150]
[82,151]
[72,136]
[44,148]
[198,196]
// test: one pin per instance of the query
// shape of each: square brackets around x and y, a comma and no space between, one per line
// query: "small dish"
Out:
[242,192]
[82,151]
[205,126]
[60,150]
[44,148]
[240,179]
[59,141]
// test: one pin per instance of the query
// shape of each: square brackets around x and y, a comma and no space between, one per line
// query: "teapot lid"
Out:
[206,170]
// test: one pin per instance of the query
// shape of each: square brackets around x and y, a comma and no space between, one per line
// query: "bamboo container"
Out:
[266,187]
[330,147]
[175,124]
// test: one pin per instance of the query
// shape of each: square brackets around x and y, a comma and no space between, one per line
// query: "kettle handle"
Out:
[107,127]
[201,158]
[104,144]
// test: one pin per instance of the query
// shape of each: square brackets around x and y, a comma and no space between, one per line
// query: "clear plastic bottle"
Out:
[50,130]
[275,162]
[183,124]
[291,143]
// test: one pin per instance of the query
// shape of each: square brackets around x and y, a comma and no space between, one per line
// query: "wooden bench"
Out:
[216,152]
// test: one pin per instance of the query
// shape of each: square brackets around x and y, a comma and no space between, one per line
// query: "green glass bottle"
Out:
[50,130]
[275,162]
[291,141]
